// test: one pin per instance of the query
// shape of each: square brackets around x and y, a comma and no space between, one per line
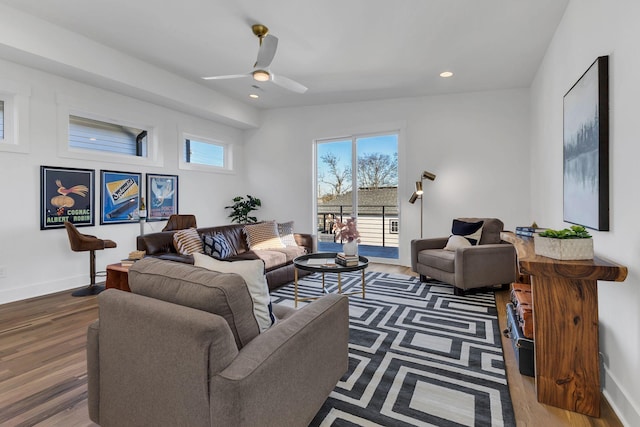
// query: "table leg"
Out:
[295,287]
[339,284]
[363,284]
[323,282]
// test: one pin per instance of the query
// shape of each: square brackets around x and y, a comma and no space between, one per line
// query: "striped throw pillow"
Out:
[187,241]
[263,235]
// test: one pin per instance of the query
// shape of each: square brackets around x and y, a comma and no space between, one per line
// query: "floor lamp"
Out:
[419,192]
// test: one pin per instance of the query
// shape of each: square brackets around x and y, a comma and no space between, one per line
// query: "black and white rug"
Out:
[418,355]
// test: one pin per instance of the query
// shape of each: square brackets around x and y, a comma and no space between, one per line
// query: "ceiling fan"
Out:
[260,72]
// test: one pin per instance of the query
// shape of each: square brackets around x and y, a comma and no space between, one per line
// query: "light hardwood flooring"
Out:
[43,366]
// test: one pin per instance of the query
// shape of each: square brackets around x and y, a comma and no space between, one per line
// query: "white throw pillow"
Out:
[252,271]
[456,242]
[263,235]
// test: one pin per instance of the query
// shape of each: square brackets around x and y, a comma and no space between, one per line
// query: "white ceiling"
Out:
[342,50]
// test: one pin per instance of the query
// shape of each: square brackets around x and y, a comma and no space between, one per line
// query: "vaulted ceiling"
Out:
[342,50]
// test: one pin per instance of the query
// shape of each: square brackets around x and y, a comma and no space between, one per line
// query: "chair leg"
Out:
[459,292]
[92,289]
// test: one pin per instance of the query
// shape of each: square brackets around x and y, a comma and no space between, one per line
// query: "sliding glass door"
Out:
[358,177]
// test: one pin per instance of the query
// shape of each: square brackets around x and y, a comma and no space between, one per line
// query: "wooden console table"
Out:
[565,315]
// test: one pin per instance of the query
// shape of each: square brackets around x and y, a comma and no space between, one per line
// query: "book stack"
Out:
[128,262]
[528,231]
[347,260]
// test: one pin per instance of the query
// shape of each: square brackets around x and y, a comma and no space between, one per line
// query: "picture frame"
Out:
[120,194]
[586,148]
[66,194]
[162,196]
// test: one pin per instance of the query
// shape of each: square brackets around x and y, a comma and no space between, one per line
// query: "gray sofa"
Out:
[183,349]
[492,262]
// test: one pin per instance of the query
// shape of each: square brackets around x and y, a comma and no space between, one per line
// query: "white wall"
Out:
[591,28]
[38,262]
[477,144]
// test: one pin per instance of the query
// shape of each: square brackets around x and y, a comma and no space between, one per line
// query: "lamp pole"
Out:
[419,194]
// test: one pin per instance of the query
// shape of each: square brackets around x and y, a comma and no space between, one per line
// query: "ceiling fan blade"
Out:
[266,52]
[230,76]
[288,84]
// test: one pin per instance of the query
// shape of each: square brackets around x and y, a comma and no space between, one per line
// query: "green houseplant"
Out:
[241,208]
[574,243]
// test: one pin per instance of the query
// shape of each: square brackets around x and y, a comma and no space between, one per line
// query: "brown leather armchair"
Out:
[492,262]
[85,242]
[180,222]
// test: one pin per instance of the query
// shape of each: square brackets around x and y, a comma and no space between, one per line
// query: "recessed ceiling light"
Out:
[446,74]
[253,95]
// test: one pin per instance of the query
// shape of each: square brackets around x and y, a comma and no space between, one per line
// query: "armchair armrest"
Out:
[283,376]
[418,245]
[485,265]
[305,240]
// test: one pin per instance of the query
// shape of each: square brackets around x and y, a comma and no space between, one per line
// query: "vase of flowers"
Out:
[347,232]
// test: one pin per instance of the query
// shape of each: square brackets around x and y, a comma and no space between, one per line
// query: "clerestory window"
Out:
[96,135]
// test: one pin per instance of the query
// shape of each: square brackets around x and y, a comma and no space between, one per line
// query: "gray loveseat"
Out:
[183,349]
[492,262]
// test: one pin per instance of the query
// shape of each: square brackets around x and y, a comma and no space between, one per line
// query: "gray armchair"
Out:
[160,356]
[491,262]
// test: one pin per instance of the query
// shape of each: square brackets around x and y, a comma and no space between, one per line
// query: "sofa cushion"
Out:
[472,231]
[217,246]
[438,259]
[285,230]
[226,295]
[252,271]
[187,241]
[263,235]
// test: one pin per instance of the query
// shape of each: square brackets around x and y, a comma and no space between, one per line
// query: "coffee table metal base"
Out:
[297,298]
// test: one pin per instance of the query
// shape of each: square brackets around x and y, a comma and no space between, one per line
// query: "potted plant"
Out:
[241,208]
[573,243]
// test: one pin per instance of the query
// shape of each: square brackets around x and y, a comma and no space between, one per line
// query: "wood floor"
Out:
[43,366]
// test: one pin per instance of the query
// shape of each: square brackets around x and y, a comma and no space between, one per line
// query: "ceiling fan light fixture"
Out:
[446,74]
[254,95]
[261,75]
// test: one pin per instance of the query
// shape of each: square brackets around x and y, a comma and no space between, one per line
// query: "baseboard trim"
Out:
[43,288]
[618,399]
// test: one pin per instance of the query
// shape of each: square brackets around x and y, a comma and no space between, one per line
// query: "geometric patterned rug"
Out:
[418,355]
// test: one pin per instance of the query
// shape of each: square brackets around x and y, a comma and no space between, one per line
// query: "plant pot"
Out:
[564,249]
[350,248]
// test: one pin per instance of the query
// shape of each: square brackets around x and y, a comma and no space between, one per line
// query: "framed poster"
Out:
[66,194]
[162,196]
[586,149]
[119,197]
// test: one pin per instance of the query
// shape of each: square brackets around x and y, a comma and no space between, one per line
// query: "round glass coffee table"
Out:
[325,262]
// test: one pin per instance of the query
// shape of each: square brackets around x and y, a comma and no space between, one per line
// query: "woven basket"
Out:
[564,249]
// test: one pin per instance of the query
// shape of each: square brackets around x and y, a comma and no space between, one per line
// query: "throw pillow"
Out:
[252,271]
[472,231]
[285,230]
[217,246]
[263,235]
[187,241]
[456,242]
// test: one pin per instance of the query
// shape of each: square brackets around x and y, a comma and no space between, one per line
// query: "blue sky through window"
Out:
[384,144]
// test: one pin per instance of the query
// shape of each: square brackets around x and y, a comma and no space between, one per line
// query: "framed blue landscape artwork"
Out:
[586,149]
